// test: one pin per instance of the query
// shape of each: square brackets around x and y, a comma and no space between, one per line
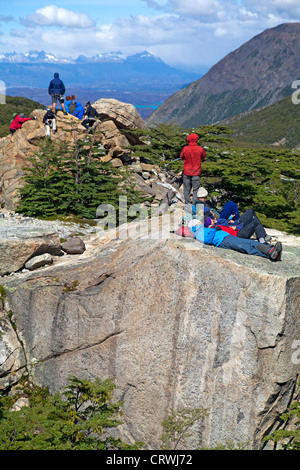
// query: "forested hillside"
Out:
[276,124]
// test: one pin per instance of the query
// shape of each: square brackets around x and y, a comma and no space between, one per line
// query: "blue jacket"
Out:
[67,106]
[79,110]
[209,236]
[56,86]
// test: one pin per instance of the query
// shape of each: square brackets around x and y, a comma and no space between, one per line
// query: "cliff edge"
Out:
[178,324]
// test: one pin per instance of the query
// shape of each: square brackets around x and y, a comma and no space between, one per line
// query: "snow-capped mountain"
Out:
[34,57]
[142,78]
[104,70]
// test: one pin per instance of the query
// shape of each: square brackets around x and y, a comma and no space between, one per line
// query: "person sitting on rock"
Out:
[18,121]
[79,110]
[91,114]
[222,239]
[49,121]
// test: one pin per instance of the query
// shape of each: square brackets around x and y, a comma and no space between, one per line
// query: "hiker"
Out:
[56,90]
[222,239]
[91,114]
[67,106]
[248,225]
[49,120]
[192,156]
[229,210]
[79,110]
[18,121]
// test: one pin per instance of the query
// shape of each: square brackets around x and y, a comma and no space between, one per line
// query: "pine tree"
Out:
[64,180]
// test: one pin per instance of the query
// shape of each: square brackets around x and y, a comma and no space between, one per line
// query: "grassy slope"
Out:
[18,105]
[279,122]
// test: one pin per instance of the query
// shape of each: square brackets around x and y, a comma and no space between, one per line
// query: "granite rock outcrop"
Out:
[178,324]
[117,119]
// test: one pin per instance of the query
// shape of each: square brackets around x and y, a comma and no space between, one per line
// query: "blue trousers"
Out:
[243,245]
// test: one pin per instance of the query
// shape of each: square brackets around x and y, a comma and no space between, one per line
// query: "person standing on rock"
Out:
[90,113]
[49,121]
[18,121]
[57,90]
[192,155]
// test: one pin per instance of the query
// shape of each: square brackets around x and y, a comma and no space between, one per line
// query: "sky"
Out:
[190,35]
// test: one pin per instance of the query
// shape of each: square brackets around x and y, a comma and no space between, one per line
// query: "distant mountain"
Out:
[277,124]
[142,79]
[113,69]
[32,57]
[258,73]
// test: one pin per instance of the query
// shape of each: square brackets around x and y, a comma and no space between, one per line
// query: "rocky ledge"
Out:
[178,324]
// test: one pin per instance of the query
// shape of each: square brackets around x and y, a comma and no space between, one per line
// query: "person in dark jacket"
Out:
[248,225]
[18,121]
[192,156]
[57,90]
[49,120]
[91,114]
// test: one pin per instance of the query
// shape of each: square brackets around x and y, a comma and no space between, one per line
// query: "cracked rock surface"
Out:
[178,324]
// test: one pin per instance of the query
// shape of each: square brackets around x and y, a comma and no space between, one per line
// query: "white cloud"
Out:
[189,33]
[52,15]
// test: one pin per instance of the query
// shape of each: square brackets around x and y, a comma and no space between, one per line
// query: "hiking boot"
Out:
[275,252]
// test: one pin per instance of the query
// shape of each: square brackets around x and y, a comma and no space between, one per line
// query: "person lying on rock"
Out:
[222,239]
[230,216]
[49,121]
[90,120]
[18,121]
[248,225]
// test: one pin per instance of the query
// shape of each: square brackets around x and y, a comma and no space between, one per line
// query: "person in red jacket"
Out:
[192,156]
[17,122]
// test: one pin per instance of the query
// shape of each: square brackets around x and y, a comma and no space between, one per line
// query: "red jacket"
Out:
[17,122]
[229,230]
[192,156]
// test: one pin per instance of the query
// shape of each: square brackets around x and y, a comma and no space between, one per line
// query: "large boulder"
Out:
[124,115]
[18,245]
[178,324]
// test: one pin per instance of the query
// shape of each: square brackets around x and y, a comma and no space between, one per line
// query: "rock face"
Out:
[178,324]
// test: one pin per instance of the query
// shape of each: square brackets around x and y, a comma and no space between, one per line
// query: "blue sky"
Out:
[192,34]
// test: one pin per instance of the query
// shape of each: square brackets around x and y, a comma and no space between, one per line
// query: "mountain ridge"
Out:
[141,79]
[259,72]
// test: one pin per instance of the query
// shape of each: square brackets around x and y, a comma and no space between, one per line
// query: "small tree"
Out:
[288,438]
[178,424]
[71,180]
[78,419]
